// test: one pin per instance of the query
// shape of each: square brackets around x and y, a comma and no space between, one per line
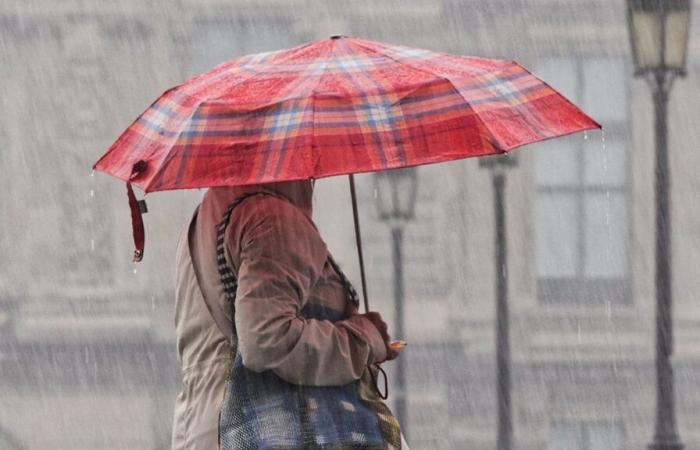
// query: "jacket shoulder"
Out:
[276,218]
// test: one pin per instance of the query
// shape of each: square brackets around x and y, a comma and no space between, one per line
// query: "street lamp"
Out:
[659,35]
[498,165]
[659,39]
[396,199]
[396,194]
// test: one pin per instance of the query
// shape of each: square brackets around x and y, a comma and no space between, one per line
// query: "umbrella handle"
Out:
[358,239]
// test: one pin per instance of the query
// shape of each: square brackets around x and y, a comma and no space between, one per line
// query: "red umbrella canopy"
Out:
[335,106]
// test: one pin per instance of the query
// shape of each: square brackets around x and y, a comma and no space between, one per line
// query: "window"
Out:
[586,436]
[581,210]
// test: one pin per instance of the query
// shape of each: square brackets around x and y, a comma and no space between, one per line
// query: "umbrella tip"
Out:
[337,36]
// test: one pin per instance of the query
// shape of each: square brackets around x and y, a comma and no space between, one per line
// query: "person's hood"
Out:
[300,193]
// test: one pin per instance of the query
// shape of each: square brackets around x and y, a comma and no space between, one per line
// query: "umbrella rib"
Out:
[163,163]
[492,137]
[380,88]
[312,98]
[183,91]
[252,62]
[386,47]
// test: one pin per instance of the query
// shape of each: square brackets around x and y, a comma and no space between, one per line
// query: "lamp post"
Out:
[396,200]
[659,40]
[498,165]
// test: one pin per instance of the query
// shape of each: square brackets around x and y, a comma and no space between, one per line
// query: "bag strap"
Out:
[228,278]
[349,288]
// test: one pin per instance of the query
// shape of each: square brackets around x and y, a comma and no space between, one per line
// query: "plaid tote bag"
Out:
[262,411]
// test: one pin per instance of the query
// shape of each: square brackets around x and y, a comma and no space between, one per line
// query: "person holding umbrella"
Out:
[295,312]
[343,105]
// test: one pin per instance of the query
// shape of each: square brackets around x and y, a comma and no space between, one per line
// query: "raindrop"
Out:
[375,192]
[92,244]
[608,309]
[585,135]
[604,160]
[578,333]
[134,270]
[153,302]
[608,247]
[604,154]
[92,193]
[92,174]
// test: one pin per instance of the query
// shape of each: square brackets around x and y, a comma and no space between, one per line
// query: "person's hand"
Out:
[380,325]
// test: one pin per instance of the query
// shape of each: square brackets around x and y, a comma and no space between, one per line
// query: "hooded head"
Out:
[300,192]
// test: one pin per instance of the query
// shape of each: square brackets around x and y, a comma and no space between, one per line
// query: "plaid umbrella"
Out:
[341,105]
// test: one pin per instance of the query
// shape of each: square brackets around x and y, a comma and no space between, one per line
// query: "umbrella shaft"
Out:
[358,238]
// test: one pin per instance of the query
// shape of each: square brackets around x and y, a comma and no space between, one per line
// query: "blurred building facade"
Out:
[87,353]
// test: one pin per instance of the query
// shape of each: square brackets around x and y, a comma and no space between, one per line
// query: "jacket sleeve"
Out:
[281,258]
